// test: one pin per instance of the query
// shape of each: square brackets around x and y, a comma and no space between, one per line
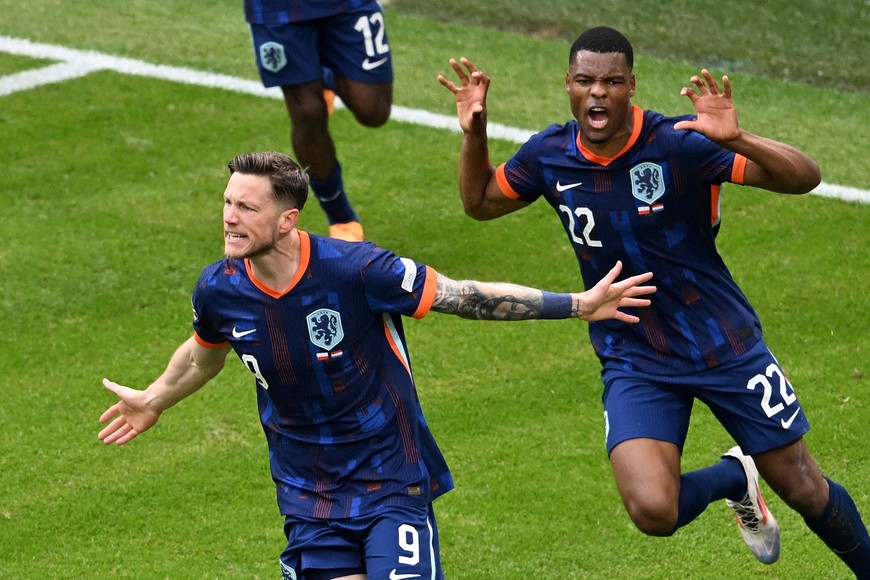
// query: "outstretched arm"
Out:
[501,301]
[481,196]
[191,366]
[772,165]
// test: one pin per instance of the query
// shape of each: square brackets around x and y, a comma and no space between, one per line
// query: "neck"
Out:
[609,148]
[616,143]
[277,267]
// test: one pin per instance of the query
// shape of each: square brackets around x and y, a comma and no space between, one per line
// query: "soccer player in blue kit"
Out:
[317,321]
[636,186]
[312,48]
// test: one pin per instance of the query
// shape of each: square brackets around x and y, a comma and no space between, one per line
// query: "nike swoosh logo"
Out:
[369,65]
[237,334]
[394,576]
[787,424]
[560,187]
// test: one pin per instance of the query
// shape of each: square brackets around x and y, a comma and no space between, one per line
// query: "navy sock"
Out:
[330,193]
[841,529]
[328,78]
[700,488]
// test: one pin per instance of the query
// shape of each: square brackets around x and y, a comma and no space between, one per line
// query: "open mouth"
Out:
[598,117]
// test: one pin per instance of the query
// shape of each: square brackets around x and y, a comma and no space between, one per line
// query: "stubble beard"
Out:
[256,251]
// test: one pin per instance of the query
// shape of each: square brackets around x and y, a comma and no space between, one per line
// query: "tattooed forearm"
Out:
[487,301]
[502,301]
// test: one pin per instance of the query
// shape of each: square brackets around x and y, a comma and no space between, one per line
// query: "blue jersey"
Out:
[274,12]
[335,391]
[655,206]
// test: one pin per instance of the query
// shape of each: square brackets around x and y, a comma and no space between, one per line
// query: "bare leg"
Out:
[309,130]
[795,476]
[826,506]
[370,104]
[647,473]
[315,150]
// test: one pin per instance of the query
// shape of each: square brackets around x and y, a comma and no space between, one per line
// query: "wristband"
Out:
[556,306]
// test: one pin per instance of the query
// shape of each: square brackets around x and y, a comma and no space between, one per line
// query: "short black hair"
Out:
[602,39]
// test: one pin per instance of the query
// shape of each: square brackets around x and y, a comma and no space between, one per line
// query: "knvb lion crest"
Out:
[324,328]
[647,182]
[272,56]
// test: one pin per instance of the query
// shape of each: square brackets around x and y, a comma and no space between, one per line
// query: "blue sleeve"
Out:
[202,322]
[712,162]
[521,174]
[398,285]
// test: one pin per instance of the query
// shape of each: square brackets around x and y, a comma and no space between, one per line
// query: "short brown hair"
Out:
[289,181]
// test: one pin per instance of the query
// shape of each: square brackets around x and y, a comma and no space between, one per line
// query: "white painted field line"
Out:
[842,192]
[55,73]
[98,60]
[76,63]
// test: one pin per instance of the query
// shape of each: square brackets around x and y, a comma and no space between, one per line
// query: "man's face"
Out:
[253,220]
[600,87]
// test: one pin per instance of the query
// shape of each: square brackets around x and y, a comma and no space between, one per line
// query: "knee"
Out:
[307,110]
[796,478]
[370,104]
[806,495]
[374,114]
[653,518]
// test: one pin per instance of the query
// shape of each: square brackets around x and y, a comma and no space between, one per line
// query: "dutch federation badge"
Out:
[647,182]
[272,56]
[324,328]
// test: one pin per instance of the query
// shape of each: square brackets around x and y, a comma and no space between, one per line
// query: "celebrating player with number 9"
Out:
[318,322]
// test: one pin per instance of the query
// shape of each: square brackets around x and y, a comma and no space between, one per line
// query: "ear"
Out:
[631,83]
[288,220]
[568,82]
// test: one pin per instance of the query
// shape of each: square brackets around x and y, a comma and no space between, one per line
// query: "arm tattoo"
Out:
[487,301]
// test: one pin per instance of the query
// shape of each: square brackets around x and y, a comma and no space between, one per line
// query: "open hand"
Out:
[129,417]
[717,117]
[603,300]
[470,95]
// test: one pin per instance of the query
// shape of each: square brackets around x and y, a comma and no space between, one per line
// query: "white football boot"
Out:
[757,525]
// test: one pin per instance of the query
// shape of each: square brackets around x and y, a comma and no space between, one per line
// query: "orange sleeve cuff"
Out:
[738,170]
[207,344]
[428,297]
[503,183]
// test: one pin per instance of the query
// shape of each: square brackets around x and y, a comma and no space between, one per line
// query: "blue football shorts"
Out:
[750,396]
[352,44]
[401,542]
